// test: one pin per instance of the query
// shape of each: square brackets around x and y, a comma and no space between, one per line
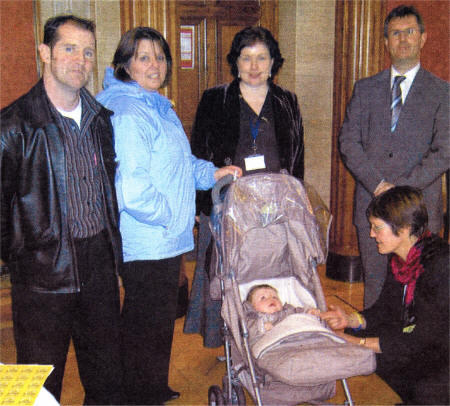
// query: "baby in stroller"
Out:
[290,342]
[266,232]
[263,309]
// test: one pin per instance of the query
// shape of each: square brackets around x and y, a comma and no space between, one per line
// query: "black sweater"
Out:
[426,348]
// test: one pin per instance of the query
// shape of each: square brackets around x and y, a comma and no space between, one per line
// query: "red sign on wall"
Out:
[187,46]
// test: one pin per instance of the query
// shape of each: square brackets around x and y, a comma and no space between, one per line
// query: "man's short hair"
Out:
[52,25]
[400,12]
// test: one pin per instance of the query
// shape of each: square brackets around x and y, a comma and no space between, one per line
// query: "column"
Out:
[359,52]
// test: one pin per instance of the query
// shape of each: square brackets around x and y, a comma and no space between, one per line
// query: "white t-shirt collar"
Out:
[75,114]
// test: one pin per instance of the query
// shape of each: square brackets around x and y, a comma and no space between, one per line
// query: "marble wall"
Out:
[306,39]
[105,14]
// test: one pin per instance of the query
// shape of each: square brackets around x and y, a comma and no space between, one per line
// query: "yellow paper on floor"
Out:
[20,384]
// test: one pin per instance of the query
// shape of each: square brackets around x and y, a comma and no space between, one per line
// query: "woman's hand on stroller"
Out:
[313,312]
[336,318]
[228,170]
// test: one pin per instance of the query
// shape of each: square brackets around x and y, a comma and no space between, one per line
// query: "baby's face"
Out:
[266,300]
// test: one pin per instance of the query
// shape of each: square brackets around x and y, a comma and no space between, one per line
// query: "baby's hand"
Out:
[268,326]
[314,312]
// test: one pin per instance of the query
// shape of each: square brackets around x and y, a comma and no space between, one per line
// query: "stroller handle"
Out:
[220,184]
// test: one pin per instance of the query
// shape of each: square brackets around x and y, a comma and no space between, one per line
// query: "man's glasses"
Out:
[409,32]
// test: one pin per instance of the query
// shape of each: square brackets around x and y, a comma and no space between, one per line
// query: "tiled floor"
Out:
[195,368]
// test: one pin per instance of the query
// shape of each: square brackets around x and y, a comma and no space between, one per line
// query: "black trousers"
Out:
[44,323]
[148,318]
[419,382]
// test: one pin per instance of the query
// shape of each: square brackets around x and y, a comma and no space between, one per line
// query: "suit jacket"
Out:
[215,134]
[416,154]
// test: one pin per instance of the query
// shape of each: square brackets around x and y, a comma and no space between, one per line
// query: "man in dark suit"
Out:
[396,136]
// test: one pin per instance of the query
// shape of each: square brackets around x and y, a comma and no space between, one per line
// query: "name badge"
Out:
[254,162]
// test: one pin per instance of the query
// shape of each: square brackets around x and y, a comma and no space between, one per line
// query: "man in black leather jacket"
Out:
[59,234]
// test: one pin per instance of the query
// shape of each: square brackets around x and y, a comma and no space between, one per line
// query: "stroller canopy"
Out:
[268,229]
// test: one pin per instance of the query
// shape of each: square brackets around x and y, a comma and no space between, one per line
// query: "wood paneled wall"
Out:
[359,52]
[17,49]
[155,14]
[135,13]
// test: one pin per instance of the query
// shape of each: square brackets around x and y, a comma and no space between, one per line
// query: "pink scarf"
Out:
[407,272]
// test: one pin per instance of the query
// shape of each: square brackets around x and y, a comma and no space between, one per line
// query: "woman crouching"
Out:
[408,326]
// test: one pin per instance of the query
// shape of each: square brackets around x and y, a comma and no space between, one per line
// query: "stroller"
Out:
[266,230]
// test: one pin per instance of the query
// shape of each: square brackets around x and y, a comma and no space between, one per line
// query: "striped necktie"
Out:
[396,101]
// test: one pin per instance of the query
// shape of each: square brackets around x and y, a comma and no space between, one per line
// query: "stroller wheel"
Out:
[215,396]
[237,393]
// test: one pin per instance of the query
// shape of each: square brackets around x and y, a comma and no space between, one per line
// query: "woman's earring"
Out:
[239,75]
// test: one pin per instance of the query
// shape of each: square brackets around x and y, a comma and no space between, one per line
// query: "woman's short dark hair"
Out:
[250,36]
[400,206]
[127,49]
[52,24]
[400,12]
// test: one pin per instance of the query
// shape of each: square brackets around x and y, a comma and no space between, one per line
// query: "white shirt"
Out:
[75,114]
[406,84]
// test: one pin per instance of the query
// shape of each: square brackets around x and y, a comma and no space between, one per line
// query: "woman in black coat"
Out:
[408,326]
[253,124]
[251,115]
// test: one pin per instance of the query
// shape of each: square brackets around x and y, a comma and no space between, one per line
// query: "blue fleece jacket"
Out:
[157,175]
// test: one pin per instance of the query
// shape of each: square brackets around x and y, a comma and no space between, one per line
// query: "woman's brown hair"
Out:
[400,206]
[127,49]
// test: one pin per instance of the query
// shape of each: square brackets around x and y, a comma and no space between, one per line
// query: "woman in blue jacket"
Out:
[156,179]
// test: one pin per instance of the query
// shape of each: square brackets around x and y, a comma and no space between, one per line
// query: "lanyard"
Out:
[254,129]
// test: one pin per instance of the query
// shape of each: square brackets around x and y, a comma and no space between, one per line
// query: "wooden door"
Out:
[204,32]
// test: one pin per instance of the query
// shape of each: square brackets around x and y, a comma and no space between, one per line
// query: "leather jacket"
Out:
[216,130]
[35,240]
